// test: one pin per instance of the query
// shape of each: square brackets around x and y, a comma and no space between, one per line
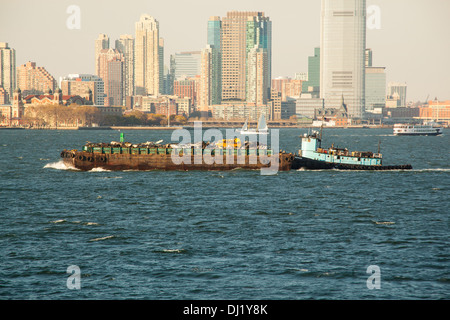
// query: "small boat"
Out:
[313,156]
[427,129]
[260,129]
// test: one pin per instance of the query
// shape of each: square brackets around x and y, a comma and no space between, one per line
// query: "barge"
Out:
[313,156]
[116,156]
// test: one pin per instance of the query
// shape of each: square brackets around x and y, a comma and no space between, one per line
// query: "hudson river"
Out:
[224,235]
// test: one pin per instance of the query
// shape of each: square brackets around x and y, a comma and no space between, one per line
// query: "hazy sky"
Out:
[413,42]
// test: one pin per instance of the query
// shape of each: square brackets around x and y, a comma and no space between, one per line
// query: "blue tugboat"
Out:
[313,156]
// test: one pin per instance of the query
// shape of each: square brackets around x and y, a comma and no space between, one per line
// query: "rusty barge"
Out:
[117,156]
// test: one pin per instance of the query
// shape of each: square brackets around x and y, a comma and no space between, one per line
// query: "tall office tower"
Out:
[147,56]
[209,87]
[125,45]
[257,76]
[110,63]
[211,66]
[186,64]
[101,43]
[7,70]
[161,65]
[398,90]
[342,56]
[312,86]
[34,80]
[375,87]
[259,34]
[241,31]
[80,84]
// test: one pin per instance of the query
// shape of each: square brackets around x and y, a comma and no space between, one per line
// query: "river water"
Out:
[224,235]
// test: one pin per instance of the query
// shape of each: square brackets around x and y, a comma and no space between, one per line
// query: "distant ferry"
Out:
[430,129]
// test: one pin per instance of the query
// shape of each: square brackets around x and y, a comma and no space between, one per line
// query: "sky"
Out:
[411,38]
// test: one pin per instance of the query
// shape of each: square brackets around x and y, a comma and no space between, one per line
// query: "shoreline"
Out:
[191,126]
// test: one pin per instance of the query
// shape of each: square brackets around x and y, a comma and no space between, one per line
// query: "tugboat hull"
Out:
[310,164]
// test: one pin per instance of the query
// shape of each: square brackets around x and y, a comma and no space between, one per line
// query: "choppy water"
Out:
[224,235]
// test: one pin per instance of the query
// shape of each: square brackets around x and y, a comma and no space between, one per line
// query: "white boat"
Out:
[427,129]
[260,129]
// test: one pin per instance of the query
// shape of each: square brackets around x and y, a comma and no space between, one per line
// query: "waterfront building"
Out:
[57,98]
[375,88]
[187,87]
[7,71]
[34,80]
[147,56]
[342,54]
[80,84]
[312,85]
[305,107]
[12,115]
[162,104]
[398,90]
[437,111]
[125,45]
[287,87]
[110,63]
[101,43]
[240,111]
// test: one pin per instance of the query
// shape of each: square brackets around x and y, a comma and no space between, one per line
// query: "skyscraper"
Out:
[147,56]
[7,70]
[110,62]
[257,76]
[241,32]
[186,64]
[312,86]
[211,65]
[209,87]
[375,87]
[342,58]
[397,89]
[125,45]
[102,42]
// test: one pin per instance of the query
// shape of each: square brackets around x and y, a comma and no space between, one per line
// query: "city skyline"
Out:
[410,42]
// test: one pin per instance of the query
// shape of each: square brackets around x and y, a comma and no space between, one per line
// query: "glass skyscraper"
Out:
[242,32]
[312,86]
[342,62]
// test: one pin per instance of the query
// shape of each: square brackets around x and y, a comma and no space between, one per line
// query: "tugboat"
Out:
[313,156]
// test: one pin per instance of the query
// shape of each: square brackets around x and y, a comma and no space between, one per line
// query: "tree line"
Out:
[50,115]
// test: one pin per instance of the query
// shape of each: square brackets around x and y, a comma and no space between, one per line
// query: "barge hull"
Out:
[86,161]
